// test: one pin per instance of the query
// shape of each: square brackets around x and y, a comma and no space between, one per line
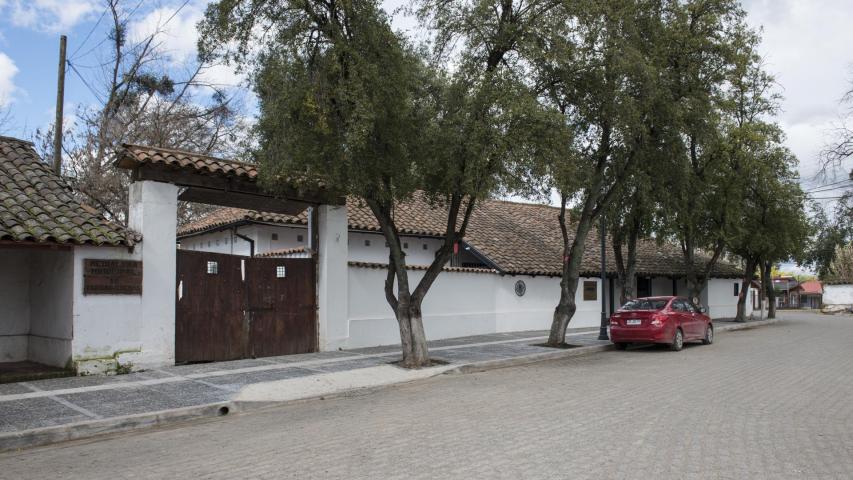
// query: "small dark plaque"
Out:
[112,277]
[590,291]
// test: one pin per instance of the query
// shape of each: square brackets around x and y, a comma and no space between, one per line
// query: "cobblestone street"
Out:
[771,402]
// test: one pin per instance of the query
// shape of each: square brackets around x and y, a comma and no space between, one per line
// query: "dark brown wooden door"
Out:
[281,306]
[230,307]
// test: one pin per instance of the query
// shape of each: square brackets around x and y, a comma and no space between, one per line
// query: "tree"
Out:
[140,101]
[828,236]
[707,39]
[600,72]
[345,100]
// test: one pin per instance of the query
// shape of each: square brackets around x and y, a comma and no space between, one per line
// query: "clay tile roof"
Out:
[517,238]
[377,265]
[282,252]
[36,205]
[225,217]
[136,155]
[811,287]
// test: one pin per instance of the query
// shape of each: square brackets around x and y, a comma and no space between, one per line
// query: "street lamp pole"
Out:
[602,232]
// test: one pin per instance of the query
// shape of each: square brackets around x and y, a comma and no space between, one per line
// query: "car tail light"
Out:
[614,321]
[658,320]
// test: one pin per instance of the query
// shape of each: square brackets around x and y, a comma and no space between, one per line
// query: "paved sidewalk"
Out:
[46,411]
[54,410]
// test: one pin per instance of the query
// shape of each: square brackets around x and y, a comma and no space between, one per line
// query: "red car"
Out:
[668,320]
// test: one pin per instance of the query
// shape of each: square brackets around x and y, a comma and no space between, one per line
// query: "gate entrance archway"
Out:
[246,307]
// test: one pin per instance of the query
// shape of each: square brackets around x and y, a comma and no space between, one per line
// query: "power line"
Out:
[91,31]
[816,187]
[828,189]
[86,83]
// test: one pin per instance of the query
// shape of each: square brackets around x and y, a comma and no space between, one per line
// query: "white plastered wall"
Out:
[51,307]
[461,304]
[35,305]
[841,294]
[14,305]
[107,328]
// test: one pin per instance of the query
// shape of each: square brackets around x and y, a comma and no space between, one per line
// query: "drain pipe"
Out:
[248,239]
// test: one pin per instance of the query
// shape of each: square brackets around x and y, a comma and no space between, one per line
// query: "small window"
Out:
[280,271]
[299,238]
[275,236]
[226,240]
[208,243]
[405,244]
[367,243]
[590,290]
[737,289]
[212,268]
[426,247]
[217,242]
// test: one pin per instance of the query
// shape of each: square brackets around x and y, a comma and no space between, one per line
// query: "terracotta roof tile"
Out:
[519,238]
[378,265]
[282,252]
[811,287]
[36,205]
[135,155]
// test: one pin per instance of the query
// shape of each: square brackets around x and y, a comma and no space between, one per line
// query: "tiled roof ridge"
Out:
[38,206]
[380,265]
[189,153]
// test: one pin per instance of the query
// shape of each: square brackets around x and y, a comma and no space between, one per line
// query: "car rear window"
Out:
[645,304]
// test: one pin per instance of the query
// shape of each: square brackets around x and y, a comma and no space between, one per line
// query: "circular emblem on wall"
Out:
[520,288]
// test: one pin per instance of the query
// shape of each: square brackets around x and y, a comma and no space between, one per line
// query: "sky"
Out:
[806,45]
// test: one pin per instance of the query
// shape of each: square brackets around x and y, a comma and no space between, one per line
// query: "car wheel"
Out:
[677,341]
[709,335]
[621,346]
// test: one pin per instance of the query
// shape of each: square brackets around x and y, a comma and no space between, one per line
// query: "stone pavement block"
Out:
[351,364]
[76,382]
[238,380]
[131,401]
[214,366]
[12,388]
[36,413]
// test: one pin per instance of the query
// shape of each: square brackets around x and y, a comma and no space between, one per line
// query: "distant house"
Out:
[808,294]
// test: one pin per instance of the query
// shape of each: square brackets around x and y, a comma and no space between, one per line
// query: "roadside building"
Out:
[81,292]
[50,243]
[808,294]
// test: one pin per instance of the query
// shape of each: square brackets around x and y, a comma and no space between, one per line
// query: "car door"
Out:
[697,323]
[687,317]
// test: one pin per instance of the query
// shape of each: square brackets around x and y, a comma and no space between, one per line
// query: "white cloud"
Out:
[49,15]
[806,45]
[178,39]
[8,70]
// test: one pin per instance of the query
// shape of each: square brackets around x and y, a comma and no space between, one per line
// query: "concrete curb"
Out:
[527,359]
[746,325]
[96,428]
[74,431]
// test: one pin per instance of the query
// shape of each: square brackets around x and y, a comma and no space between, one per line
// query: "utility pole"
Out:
[60,99]
[602,232]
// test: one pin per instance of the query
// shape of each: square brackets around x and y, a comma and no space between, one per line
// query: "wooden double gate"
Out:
[230,307]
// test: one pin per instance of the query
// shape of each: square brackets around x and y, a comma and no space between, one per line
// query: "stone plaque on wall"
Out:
[112,277]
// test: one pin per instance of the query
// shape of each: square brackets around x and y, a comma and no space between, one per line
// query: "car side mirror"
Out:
[703,310]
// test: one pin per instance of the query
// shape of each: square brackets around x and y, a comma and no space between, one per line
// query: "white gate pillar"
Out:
[332,277]
[153,212]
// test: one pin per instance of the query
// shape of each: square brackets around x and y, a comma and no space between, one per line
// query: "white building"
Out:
[55,307]
[506,243]
[82,293]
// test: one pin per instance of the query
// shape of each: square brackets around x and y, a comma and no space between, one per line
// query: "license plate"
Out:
[633,321]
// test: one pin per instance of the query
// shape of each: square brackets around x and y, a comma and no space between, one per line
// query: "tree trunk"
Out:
[572,256]
[412,334]
[767,285]
[748,273]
